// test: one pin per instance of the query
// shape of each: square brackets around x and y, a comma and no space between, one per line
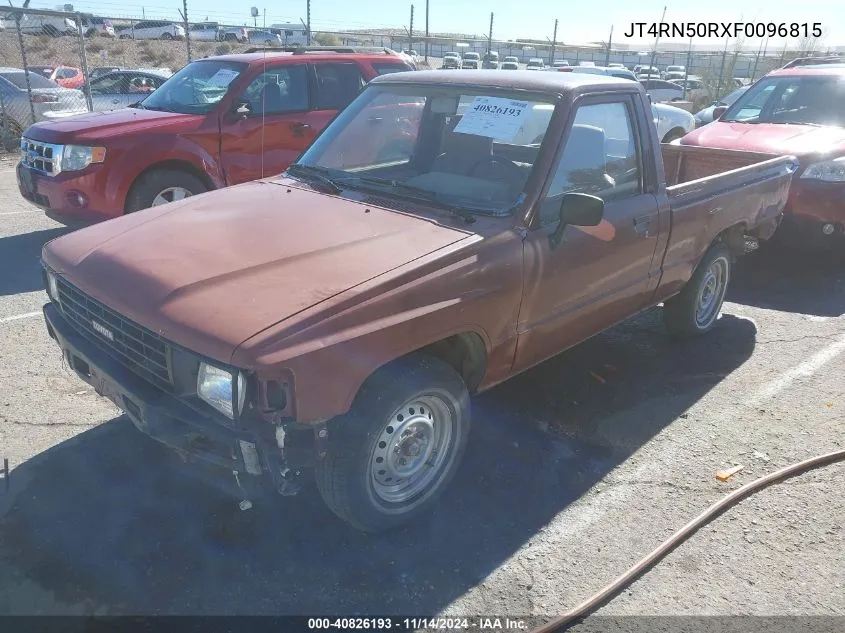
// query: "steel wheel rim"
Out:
[419,433]
[171,194]
[711,292]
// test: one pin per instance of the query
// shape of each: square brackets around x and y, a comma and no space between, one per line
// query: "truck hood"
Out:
[798,140]
[102,125]
[211,271]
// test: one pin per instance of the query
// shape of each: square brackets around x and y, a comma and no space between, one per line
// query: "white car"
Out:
[154,30]
[204,32]
[263,37]
[535,63]
[662,91]
[672,123]
[696,89]
[47,25]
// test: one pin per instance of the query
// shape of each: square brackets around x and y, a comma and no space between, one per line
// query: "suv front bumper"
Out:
[234,460]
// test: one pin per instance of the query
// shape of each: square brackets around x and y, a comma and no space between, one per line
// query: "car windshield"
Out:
[36,80]
[468,150]
[730,98]
[803,100]
[196,88]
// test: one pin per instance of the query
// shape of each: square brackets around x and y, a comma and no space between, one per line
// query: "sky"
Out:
[579,22]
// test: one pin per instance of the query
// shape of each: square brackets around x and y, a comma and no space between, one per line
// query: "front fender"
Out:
[328,353]
[131,162]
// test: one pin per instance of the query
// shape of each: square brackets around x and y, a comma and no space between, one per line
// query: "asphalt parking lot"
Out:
[575,470]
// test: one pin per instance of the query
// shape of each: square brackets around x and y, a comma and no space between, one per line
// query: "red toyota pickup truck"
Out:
[338,317]
[796,111]
[219,121]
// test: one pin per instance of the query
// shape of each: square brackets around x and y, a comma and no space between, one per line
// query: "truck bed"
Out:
[727,184]
[719,189]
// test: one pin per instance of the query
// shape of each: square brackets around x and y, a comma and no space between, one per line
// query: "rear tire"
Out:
[166,36]
[162,185]
[696,308]
[395,452]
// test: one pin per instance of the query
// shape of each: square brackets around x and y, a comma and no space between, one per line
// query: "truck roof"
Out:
[559,83]
[273,55]
[820,69]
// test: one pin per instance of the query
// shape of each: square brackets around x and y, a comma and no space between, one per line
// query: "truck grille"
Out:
[144,352]
[43,157]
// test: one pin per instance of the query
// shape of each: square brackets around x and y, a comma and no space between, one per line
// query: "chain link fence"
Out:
[66,56]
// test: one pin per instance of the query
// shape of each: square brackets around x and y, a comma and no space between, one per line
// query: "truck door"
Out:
[597,275]
[280,124]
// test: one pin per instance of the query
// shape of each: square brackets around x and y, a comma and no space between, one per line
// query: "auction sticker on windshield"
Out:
[494,117]
[223,77]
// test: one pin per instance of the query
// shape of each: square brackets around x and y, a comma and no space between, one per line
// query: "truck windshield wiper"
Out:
[462,212]
[309,172]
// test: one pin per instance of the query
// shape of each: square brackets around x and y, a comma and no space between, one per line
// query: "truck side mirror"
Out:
[577,209]
[718,111]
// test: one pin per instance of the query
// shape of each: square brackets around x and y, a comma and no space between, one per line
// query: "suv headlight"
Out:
[827,171]
[217,387]
[76,157]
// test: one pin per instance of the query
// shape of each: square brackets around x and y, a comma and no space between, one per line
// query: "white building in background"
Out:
[291,34]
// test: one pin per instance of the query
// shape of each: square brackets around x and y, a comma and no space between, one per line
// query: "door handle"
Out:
[642,224]
[299,128]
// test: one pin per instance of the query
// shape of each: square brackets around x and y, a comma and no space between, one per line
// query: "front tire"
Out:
[694,310]
[166,36]
[400,445]
[161,186]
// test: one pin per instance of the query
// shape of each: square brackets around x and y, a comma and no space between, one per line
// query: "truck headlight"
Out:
[52,286]
[216,387]
[76,157]
[827,171]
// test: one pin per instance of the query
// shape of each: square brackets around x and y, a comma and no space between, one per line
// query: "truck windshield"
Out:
[802,100]
[196,88]
[460,147]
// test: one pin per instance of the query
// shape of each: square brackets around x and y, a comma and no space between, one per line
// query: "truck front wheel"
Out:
[161,186]
[694,310]
[393,454]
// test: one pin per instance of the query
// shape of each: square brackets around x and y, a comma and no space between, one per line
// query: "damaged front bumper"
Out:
[240,460]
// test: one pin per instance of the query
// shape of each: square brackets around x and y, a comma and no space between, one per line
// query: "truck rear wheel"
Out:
[161,186]
[397,449]
[694,310]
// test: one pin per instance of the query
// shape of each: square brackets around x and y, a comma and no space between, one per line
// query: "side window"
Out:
[337,85]
[66,73]
[279,90]
[601,158]
[110,85]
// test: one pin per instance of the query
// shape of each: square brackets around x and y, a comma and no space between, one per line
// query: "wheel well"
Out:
[734,239]
[675,132]
[176,165]
[465,352]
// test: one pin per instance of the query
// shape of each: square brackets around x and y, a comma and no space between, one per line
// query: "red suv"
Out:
[796,110]
[217,122]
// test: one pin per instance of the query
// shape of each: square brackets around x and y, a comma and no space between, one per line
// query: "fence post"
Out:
[188,30]
[25,64]
[84,59]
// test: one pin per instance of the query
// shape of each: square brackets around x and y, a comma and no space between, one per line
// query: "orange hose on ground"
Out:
[600,597]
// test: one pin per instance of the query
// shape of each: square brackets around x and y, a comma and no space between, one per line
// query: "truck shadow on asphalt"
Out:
[103,520]
[788,279]
[19,257]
